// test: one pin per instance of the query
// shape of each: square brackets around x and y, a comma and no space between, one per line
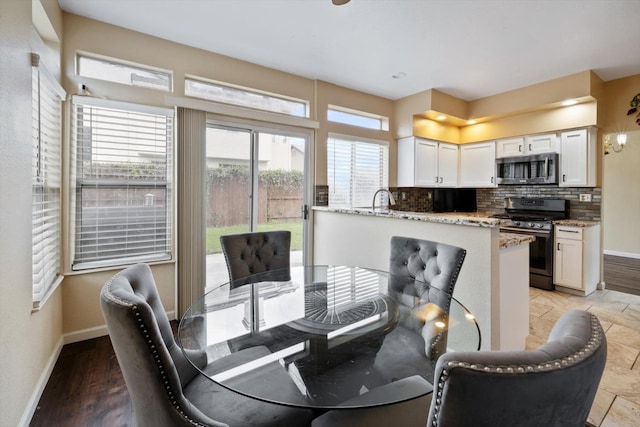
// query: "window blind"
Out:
[123,177]
[47,96]
[355,170]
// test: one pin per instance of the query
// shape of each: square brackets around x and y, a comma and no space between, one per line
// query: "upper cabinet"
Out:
[478,165]
[447,165]
[427,163]
[522,146]
[510,147]
[578,158]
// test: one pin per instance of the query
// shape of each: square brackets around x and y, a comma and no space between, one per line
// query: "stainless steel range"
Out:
[534,216]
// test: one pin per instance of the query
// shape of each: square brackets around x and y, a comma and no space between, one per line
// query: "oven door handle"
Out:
[543,233]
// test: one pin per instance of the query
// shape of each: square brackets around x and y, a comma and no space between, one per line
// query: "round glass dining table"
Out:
[325,336]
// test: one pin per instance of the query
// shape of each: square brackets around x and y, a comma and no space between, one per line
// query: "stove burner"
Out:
[532,214]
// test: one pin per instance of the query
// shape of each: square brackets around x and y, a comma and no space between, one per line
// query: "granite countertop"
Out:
[475,219]
[508,240]
[576,222]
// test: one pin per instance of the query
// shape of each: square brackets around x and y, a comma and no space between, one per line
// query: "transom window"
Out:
[123,183]
[361,119]
[117,71]
[356,169]
[245,97]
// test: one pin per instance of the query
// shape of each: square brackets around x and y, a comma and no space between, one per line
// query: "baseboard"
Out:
[96,332]
[32,405]
[622,254]
[85,334]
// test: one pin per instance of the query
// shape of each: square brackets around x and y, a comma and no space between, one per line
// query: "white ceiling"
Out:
[466,48]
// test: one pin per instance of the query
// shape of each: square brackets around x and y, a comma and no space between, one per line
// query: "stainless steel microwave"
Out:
[527,170]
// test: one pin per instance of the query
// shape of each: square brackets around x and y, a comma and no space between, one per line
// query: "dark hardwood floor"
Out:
[86,388]
[622,274]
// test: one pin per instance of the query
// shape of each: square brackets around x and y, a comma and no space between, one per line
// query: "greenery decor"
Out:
[635,103]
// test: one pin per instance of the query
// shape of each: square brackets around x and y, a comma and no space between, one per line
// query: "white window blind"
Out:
[356,168]
[123,173]
[47,96]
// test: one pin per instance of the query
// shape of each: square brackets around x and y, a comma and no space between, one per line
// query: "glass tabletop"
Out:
[327,335]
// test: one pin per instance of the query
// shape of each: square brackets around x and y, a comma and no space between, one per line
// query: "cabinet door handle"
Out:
[558,248]
[436,179]
[519,148]
[492,180]
[564,177]
[440,180]
[529,147]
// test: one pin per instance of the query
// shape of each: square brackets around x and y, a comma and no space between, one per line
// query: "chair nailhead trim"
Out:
[161,368]
[594,342]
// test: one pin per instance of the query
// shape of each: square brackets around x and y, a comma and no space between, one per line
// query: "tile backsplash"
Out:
[491,200]
[413,199]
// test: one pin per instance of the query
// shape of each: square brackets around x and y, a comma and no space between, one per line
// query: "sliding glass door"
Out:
[256,180]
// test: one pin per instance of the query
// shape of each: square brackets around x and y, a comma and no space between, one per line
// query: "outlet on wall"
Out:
[585,197]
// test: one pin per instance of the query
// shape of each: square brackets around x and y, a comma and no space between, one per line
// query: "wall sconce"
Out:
[621,139]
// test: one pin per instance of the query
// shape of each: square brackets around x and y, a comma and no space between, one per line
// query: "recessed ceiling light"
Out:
[568,102]
[471,122]
[441,117]
[399,75]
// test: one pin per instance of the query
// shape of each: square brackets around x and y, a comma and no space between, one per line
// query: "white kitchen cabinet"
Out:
[576,264]
[510,147]
[447,165]
[427,163]
[528,145]
[540,144]
[478,165]
[578,158]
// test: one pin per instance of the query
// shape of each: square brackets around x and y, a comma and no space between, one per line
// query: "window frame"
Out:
[168,165]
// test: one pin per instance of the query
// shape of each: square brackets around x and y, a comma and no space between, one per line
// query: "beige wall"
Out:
[83,34]
[29,341]
[620,191]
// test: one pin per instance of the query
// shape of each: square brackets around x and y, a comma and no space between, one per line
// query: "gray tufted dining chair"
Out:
[552,386]
[261,252]
[165,389]
[418,266]
[425,271]
[419,270]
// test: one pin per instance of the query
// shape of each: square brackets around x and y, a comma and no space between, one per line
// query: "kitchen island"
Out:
[494,280]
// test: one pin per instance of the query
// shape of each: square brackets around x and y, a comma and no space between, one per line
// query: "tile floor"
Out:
[617,402]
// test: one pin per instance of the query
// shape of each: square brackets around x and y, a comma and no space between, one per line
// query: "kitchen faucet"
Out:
[392,200]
